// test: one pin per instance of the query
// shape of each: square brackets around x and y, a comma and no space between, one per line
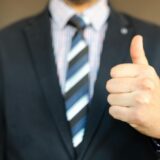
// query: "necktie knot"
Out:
[78,22]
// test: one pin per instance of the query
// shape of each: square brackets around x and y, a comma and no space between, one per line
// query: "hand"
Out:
[135,92]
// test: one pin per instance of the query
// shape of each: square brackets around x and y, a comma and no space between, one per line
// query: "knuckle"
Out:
[149,70]
[138,117]
[113,72]
[142,99]
[147,84]
[109,86]
[109,99]
[111,112]
[144,69]
[114,112]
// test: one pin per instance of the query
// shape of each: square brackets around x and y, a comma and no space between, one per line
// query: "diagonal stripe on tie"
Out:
[80,84]
[76,90]
[77,63]
[77,107]
[77,139]
[76,50]
[79,125]
[78,76]
[74,98]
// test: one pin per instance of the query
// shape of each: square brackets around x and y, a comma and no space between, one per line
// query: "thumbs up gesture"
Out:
[134,92]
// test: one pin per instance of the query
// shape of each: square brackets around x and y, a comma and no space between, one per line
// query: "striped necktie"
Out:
[77,82]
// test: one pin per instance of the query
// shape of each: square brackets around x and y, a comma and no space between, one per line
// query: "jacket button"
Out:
[124,31]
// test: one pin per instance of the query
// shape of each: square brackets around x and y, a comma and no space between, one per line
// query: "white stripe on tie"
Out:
[77,139]
[77,77]
[77,107]
[86,20]
[76,50]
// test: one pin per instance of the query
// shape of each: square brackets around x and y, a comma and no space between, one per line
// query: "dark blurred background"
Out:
[13,10]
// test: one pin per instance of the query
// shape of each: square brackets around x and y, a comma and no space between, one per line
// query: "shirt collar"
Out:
[97,14]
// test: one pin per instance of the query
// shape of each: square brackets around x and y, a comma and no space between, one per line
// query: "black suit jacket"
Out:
[33,124]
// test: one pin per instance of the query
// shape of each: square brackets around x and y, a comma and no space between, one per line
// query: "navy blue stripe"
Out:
[79,125]
[71,92]
[83,52]
[77,38]
[77,95]
[73,69]
[81,114]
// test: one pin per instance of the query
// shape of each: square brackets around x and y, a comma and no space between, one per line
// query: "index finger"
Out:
[125,70]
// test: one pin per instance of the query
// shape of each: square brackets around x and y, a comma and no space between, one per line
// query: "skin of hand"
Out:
[134,92]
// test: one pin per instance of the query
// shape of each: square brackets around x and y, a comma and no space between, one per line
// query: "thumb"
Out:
[137,51]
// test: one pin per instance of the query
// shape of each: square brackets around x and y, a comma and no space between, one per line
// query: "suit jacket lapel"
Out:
[39,38]
[115,51]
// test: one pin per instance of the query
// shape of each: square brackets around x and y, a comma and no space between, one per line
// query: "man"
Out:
[54,69]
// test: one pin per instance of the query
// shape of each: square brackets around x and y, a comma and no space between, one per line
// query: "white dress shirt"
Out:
[62,35]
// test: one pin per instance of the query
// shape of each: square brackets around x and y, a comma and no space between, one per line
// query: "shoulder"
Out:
[16,29]
[142,27]
[151,38]
[149,31]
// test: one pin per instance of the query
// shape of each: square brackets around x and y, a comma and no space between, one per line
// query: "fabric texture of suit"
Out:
[33,124]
